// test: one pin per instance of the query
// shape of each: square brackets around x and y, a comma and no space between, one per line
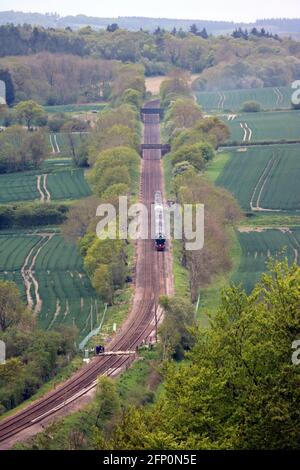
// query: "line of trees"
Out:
[32,214]
[241,33]
[114,172]
[193,140]
[157,52]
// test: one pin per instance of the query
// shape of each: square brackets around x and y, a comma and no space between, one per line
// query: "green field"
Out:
[59,143]
[232,100]
[75,108]
[258,247]
[264,177]
[262,127]
[56,275]
[61,182]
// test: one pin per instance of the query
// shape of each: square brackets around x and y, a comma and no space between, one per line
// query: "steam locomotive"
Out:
[160,238]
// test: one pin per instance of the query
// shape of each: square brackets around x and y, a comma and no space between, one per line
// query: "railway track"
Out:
[151,282]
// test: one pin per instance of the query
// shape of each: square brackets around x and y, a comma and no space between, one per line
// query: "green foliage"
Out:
[176,86]
[175,332]
[251,107]
[33,356]
[132,97]
[117,165]
[182,113]
[29,111]
[32,214]
[12,311]
[105,262]
[20,150]
[118,127]
[196,154]
[238,390]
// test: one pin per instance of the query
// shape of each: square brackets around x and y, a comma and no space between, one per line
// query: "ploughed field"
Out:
[264,126]
[50,275]
[56,180]
[264,178]
[258,245]
[233,100]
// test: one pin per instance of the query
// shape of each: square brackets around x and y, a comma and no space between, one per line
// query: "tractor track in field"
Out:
[222,99]
[41,185]
[54,144]
[27,273]
[262,181]
[247,137]
[279,96]
[153,278]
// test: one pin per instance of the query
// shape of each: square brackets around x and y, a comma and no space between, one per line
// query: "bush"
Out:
[251,107]
[32,214]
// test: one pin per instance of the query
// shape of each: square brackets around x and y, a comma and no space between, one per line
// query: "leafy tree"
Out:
[103,283]
[113,192]
[214,130]
[196,154]
[175,86]
[108,401]
[12,309]
[182,114]
[238,389]
[132,97]
[81,217]
[29,111]
[175,332]
[106,168]
[37,148]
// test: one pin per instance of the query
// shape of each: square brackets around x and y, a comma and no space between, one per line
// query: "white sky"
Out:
[229,10]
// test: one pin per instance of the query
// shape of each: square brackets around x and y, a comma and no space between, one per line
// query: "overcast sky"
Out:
[235,10]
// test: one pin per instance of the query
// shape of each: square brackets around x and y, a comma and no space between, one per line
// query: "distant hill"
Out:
[281,26]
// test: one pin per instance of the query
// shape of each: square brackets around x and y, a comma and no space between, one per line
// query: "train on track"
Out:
[159,222]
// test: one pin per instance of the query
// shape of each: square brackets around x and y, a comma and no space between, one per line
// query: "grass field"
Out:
[257,247]
[264,177]
[59,143]
[61,182]
[260,127]
[75,108]
[232,100]
[49,273]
